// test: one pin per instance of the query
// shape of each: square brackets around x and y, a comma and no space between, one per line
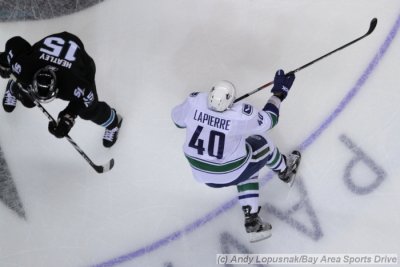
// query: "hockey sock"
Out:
[111,121]
[248,193]
[276,161]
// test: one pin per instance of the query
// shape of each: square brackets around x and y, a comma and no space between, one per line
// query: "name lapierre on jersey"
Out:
[211,120]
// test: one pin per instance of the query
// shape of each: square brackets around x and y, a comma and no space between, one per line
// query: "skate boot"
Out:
[257,229]
[292,164]
[9,99]
[111,132]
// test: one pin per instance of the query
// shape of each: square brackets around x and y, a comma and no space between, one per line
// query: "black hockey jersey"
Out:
[75,69]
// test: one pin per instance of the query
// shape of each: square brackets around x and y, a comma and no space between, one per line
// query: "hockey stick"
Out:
[98,168]
[372,26]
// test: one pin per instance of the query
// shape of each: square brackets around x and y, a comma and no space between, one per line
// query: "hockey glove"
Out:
[63,125]
[282,84]
[5,70]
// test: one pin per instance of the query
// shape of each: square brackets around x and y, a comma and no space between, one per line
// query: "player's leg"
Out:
[249,200]
[14,93]
[292,163]
[284,166]
[248,193]
[10,98]
[248,190]
[275,160]
[102,114]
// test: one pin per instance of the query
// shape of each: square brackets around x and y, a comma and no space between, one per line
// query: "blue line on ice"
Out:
[306,143]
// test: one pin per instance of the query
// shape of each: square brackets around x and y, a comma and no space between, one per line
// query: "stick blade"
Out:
[105,167]
[372,25]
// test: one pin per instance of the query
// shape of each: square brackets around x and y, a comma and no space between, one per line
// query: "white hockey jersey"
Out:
[215,143]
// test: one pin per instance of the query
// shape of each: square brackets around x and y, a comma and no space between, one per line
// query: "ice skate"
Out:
[111,132]
[292,164]
[255,227]
[9,99]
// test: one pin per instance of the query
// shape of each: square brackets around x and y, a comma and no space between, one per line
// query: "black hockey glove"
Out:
[5,69]
[282,84]
[63,125]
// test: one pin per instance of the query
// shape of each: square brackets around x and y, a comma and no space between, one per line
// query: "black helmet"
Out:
[44,85]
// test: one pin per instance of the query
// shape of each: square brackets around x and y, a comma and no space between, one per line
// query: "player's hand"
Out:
[63,125]
[282,84]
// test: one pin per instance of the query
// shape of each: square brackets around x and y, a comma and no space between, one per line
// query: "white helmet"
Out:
[221,96]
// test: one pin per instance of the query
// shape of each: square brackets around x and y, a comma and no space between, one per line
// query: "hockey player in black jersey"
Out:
[56,67]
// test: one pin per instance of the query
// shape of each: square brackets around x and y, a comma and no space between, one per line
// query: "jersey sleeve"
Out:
[179,112]
[254,121]
[272,109]
[80,94]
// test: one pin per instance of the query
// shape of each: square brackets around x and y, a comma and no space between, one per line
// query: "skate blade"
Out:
[259,236]
[290,184]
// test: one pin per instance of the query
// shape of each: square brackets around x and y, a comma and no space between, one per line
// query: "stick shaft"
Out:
[372,26]
[97,168]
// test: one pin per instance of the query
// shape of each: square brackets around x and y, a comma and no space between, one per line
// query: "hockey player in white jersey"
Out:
[226,144]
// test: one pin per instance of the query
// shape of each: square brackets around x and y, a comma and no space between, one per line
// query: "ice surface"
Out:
[343,113]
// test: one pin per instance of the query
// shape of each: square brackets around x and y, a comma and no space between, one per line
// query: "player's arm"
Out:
[282,85]
[252,121]
[179,112]
[5,69]
[264,120]
[272,110]
[80,100]
[14,46]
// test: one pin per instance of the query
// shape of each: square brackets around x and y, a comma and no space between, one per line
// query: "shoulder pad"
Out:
[247,109]
[194,94]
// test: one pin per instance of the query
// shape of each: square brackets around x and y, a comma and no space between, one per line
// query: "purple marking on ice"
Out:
[229,204]
[361,81]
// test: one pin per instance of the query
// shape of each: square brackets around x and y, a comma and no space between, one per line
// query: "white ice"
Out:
[149,211]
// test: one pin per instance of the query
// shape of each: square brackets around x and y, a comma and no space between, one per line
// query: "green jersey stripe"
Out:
[246,187]
[274,118]
[261,154]
[210,167]
[275,160]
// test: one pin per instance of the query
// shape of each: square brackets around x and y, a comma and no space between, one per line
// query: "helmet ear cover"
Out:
[44,84]
[221,96]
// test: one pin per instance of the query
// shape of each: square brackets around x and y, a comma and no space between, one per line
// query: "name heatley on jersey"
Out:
[59,61]
[57,66]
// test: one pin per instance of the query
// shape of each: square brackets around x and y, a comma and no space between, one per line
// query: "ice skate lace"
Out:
[110,134]
[9,99]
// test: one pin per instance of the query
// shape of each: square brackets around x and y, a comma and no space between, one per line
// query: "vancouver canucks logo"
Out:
[247,109]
